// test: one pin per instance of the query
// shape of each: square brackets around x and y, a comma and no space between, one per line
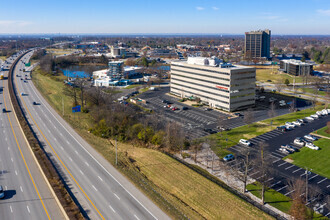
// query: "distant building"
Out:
[217,84]
[257,44]
[296,67]
[116,69]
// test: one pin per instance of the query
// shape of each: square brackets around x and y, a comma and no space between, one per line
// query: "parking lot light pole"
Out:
[307,172]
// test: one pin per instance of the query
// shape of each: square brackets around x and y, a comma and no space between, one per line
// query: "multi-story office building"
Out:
[257,44]
[220,85]
[116,69]
[296,67]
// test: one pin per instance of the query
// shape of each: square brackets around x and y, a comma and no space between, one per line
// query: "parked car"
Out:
[207,109]
[221,128]
[297,123]
[310,137]
[209,130]
[301,120]
[299,142]
[289,148]
[2,193]
[228,157]
[285,151]
[238,114]
[175,108]
[184,108]
[324,112]
[165,101]
[312,146]
[308,118]
[282,128]
[319,113]
[245,142]
[315,116]
[290,124]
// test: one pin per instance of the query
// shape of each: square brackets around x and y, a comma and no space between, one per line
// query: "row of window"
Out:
[247,100]
[194,68]
[239,96]
[177,86]
[212,82]
[216,89]
[214,77]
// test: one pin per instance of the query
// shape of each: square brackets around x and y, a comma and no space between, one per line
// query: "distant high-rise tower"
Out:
[257,44]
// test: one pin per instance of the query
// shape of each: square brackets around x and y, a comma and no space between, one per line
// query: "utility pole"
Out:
[116,151]
[307,172]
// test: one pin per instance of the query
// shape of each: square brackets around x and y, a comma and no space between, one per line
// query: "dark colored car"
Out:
[238,114]
[228,157]
[4,110]
[282,128]
[184,108]
[209,130]
[35,103]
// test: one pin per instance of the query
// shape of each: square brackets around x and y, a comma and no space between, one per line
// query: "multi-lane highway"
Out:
[27,195]
[100,189]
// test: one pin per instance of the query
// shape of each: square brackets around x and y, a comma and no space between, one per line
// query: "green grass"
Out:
[272,197]
[276,199]
[255,129]
[132,86]
[265,73]
[318,161]
[312,91]
[323,132]
[172,186]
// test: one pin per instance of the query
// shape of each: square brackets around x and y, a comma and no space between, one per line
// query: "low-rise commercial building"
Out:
[217,84]
[296,67]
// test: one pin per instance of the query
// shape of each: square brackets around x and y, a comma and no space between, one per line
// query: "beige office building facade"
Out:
[219,85]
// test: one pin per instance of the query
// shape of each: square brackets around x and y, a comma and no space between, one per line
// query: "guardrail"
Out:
[62,191]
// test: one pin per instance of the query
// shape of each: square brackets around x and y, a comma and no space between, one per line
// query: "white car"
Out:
[290,125]
[312,146]
[308,118]
[299,142]
[245,142]
[310,137]
[315,116]
[297,123]
[319,113]
[285,151]
[324,112]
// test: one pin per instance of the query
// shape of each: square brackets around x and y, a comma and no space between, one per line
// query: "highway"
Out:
[101,190]
[27,195]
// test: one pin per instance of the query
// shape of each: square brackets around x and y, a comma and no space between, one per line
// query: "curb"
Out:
[41,171]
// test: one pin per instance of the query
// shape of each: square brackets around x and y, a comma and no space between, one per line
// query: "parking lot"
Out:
[196,120]
[285,171]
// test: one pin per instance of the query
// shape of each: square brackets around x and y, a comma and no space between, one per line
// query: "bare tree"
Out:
[72,92]
[314,195]
[195,147]
[175,137]
[222,123]
[279,86]
[249,116]
[242,166]
[298,209]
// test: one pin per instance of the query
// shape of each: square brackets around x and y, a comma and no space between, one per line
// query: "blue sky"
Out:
[169,16]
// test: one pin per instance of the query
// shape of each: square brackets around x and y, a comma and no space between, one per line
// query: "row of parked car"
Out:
[306,141]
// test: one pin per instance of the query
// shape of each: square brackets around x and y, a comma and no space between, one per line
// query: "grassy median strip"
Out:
[264,73]
[178,190]
[317,160]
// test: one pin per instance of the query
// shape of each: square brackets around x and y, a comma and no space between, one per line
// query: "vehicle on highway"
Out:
[229,157]
[23,94]
[184,108]
[2,193]
[35,103]
[312,146]
[245,142]
[310,137]
[315,116]
[299,142]
[25,81]
[4,110]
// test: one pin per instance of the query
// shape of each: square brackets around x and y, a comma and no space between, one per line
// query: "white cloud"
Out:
[215,8]
[199,8]
[11,22]
[324,12]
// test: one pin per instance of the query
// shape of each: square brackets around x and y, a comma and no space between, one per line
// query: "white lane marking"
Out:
[303,174]
[95,158]
[12,160]
[11,209]
[327,214]
[116,196]
[87,164]
[81,172]
[70,159]
[289,167]
[67,142]
[55,139]
[282,188]
[296,170]
[8,148]
[16,172]
[275,184]
[328,186]
[289,192]
[282,164]
[62,148]
[61,134]
[136,217]
[76,152]
[28,209]
[275,161]
[254,173]
[313,177]
[270,179]
[112,208]
[21,188]
[6,187]
[100,178]
[94,187]
[6,138]
[321,181]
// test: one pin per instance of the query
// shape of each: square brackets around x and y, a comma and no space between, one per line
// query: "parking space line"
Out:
[313,177]
[289,167]
[296,170]
[275,184]
[282,164]
[322,180]
[282,188]
[289,192]
[254,173]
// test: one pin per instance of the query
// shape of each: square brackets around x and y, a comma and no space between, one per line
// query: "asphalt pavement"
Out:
[27,195]
[285,171]
[100,189]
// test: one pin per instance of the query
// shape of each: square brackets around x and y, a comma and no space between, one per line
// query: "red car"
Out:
[174,108]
